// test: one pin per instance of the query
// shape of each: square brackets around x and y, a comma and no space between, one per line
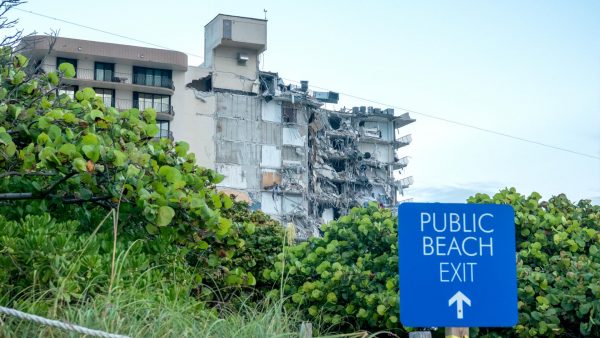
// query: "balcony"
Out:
[403,141]
[400,163]
[163,110]
[85,77]
[142,79]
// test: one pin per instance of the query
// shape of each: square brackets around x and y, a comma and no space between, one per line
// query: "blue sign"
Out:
[457,265]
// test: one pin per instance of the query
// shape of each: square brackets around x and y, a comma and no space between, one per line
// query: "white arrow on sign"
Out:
[459,298]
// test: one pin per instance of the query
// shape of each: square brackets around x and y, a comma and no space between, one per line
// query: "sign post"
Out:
[457,265]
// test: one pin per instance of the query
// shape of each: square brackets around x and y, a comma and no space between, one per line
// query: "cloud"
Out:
[452,193]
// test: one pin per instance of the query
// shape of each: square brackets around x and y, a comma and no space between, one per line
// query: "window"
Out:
[107,95]
[104,71]
[160,103]
[289,113]
[68,90]
[163,129]
[227,29]
[60,61]
[152,77]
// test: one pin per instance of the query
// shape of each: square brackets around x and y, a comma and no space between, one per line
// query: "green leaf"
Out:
[202,245]
[182,148]
[67,69]
[90,139]
[132,171]
[151,129]
[88,94]
[96,114]
[79,164]
[91,152]
[216,201]
[170,173]
[53,78]
[331,298]
[120,158]
[68,149]
[227,202]
[250,280]
[44,122]
[48,154]
[249,228]
[152,229]
[224,226]
[165,215]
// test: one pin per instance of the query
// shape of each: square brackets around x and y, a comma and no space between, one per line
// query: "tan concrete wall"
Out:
[229,74]
[194,120]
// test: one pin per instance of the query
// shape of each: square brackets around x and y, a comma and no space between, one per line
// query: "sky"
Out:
[530,69]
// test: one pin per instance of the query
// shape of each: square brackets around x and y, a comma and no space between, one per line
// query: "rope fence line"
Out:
[58,324]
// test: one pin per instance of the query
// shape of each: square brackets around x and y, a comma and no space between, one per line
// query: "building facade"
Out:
[278,147]
[124,76]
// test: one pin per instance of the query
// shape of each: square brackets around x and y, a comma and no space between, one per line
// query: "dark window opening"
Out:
[160,103]
[338,143]
[104,71]
[288,113]
[338,165]
[153,77]
[267,83]
[339,187]
[202,84]
[107,95]
[73,62]
[335,122]
[337,213]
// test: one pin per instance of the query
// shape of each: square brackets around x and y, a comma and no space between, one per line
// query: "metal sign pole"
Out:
[457,332]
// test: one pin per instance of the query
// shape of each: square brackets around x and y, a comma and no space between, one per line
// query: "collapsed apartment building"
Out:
[331,160]
[278,147]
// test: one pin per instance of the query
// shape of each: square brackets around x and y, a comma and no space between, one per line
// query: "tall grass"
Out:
[161,310]
[138,304]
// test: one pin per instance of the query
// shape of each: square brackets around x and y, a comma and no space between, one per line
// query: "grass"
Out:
[156,311]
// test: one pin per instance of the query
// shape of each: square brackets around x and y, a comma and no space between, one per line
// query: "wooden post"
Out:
[419,334]
[457,332]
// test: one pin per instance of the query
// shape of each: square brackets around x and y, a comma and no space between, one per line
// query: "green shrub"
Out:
[348,279]
[40,256]
[262,237]
[75,159]
[558,267]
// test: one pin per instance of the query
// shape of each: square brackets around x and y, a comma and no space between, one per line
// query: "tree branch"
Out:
[15,196]
[57,183]
[16,173]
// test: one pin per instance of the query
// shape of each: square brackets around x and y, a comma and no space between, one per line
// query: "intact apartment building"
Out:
[278,147]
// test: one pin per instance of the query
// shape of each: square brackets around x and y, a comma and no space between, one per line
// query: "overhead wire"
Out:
[466,125]
[431,116]
[100,30]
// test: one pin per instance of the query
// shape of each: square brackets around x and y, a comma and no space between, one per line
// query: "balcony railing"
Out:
[407,139]
[153,81]
[118,77]
[163,108]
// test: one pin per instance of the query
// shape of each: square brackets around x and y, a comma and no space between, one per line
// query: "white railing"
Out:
[407,139]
